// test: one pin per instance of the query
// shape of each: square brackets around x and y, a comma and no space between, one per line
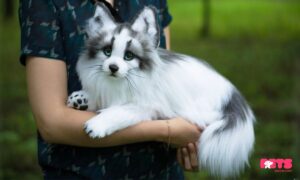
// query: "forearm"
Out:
[69,130]
[46,80]
[47,90]
[168,37]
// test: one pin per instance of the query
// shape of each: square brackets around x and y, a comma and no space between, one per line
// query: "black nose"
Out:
[113,68]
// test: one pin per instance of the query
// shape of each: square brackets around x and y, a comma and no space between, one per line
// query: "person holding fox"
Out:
[52,36]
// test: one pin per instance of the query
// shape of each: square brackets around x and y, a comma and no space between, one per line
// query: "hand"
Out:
[187,157]
[182,132]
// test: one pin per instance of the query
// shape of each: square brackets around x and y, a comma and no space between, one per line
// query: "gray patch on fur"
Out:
[169,56]
[235,110]
[119,29]
[146,46]
[93,45]
[122,26]
[145,62]
[112,40]
[132,33]
[128,44]
[98,20]
[147,24]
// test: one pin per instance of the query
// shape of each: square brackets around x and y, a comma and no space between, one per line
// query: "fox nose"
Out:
[113,68]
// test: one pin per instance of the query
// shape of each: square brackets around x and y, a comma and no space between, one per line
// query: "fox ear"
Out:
[146,23]
[101,21]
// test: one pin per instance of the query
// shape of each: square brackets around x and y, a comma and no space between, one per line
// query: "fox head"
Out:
[117,49]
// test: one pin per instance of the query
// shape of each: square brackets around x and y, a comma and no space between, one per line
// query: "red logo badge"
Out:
[278,165]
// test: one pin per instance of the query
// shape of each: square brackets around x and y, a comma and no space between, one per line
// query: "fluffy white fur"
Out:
[175,85]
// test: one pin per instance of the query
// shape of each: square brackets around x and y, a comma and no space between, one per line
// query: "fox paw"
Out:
[96,128]
[78,100]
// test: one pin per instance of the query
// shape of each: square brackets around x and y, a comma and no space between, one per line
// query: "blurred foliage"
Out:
[256,44]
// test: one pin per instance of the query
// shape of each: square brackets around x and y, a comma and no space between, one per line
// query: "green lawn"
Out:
[256,44]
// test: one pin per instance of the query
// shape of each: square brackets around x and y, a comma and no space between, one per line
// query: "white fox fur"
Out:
[157,83]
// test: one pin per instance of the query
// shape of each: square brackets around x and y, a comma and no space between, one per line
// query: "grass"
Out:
[17,129]
[255,44]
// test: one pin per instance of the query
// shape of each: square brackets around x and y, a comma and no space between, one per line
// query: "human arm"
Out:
[47,88]
[168,37]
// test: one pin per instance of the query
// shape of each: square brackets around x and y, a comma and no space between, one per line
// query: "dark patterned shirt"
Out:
[55,29]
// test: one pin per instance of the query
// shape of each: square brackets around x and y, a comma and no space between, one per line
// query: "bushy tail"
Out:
[224,149]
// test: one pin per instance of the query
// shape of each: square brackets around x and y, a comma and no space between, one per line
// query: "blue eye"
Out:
[107,51]
[128,56]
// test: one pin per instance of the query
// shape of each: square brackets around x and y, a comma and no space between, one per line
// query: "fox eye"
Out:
[107,51]
[128,56]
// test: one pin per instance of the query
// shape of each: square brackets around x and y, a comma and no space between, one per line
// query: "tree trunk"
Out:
[205,31]
[8,6]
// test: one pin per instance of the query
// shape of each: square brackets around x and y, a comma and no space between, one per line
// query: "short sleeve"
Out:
[40,30]
[166,17]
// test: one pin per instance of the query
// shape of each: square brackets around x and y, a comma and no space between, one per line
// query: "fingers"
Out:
[192,148]
[187,157]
